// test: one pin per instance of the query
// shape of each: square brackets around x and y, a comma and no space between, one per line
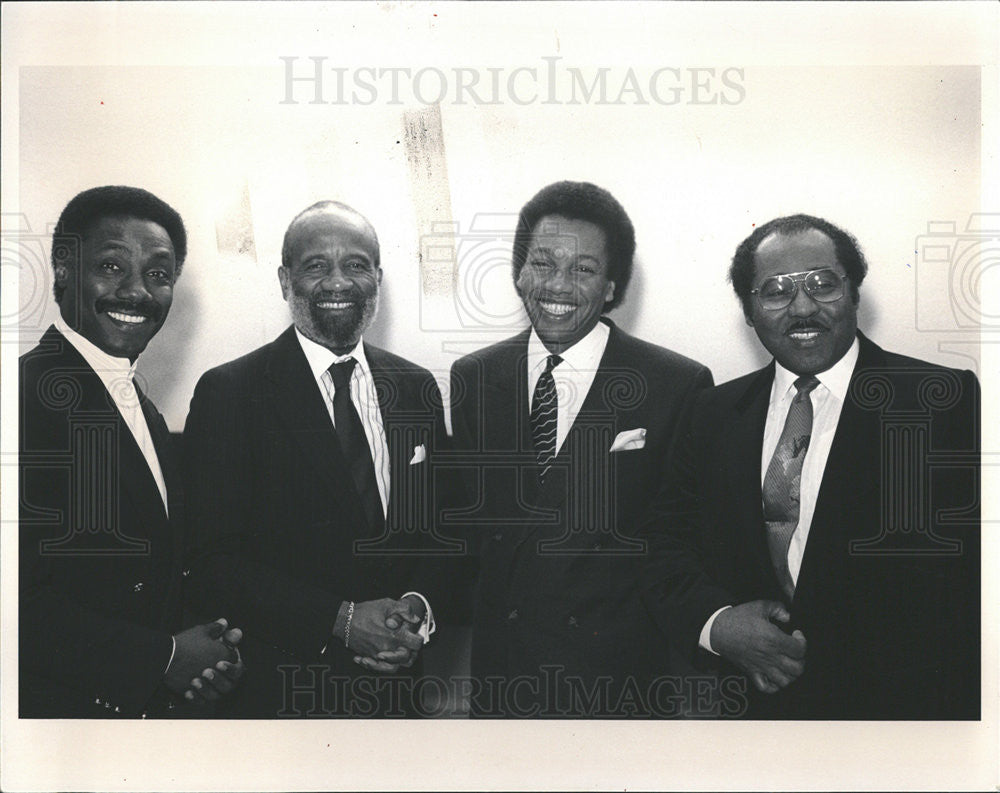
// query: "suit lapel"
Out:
[95,407]
[852,469]
[301,408]
[746,430]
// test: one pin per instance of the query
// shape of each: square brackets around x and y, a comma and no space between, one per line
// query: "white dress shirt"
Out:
[827,401]
[364,397]
[118,375]
[573,376]
[365,400]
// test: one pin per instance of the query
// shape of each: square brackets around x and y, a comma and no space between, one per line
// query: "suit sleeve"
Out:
[106,661]
[678,576]
[224,578]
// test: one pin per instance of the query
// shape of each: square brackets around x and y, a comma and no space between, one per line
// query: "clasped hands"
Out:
[748,636]
[206,664]
[384,635]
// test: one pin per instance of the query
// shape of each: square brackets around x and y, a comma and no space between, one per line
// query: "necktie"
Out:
[544,407]
[354,443]
[782,480]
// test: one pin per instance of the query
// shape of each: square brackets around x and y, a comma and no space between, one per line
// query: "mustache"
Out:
[147,308]
[337,297]
[802,325]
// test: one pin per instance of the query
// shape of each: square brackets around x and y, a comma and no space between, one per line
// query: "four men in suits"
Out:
[566,427]
[820,529]
[814,533]
[100,518]
[308,465]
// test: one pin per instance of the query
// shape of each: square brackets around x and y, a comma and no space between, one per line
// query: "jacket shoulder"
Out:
[658,357]
[493,352]
[389,362]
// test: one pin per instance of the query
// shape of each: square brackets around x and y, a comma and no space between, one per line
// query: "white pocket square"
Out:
[629,439]
[419,454]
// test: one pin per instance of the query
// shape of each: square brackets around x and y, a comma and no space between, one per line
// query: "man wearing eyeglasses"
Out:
[820,530]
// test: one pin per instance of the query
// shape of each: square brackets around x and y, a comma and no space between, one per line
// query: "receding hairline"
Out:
[332,208]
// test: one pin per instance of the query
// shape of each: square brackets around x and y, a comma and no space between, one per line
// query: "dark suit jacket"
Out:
[279,534]
[99,561]
[558,582]
[888,591]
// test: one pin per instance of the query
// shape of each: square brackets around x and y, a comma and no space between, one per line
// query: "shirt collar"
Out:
[108,367]
[584,356]
[320,358]
[836,379]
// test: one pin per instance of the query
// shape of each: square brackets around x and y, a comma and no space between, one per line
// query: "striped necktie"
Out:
[782,480]
[544,409]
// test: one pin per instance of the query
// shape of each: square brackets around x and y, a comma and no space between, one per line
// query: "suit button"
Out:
[107,706]
[138,587]
[512,615]
[597,546]
[572,622]
[186,573]
[97,701]
[117,710]
[498,536]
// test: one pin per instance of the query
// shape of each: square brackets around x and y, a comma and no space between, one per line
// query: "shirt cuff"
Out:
[427,627]
[173,650]
[705,639]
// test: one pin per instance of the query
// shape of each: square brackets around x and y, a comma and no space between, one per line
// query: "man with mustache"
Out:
[820,529]
[100,518]
[301,457]
[568,425]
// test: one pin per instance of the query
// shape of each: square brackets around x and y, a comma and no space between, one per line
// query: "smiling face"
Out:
[564,281]
[806,337]
[119,292]
[331,280]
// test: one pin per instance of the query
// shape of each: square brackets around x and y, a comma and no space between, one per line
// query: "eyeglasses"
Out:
[778,291]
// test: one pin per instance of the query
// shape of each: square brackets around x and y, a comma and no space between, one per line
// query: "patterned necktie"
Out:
[782,480]
[544,408]
[354,443]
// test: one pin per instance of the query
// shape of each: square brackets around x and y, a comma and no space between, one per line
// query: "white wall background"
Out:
[880,150]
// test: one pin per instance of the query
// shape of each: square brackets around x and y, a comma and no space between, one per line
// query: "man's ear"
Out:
[62,275]
[283,280]
[609,292]
[747,313]
[378,275]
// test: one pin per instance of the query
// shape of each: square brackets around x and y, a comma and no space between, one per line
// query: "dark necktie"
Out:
[544,409]
[782,480]
[354,443]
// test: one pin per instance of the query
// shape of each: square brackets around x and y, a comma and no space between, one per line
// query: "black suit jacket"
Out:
[558,597]
[279,535]
[99,560]
[888,590]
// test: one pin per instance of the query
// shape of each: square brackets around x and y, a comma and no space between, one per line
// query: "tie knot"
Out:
[341,372]
[552,362]
[804,385]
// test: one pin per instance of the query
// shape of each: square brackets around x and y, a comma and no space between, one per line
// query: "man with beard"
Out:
[303,458]
[820,530]
[569,424]
[100,518]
